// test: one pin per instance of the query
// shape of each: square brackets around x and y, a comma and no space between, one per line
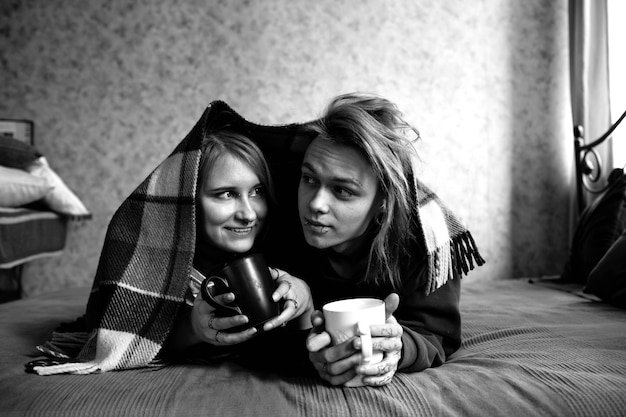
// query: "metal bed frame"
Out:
[588,163]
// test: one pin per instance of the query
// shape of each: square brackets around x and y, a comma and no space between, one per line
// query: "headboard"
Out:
[588,163]
[20,129]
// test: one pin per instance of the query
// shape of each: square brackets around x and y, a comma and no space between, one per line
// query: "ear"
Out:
[382,210]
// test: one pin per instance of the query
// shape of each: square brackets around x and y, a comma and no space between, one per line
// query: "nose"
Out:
[319,201]
[245,212]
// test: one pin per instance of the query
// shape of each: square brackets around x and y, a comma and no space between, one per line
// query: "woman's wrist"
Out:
[183,334]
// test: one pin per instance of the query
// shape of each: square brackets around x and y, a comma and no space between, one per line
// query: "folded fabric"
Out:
[60,199]
[608,279]
[599,225]
[18,187]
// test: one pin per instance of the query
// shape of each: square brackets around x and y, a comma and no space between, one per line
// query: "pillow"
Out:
[60,199]
[600,224]
[15,153]
[608,279]
[18,187]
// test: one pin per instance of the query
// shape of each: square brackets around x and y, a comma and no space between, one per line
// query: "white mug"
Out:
[352,317]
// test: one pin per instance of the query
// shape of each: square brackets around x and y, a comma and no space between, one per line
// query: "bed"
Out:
[528,349]
[29,229]
[531,347]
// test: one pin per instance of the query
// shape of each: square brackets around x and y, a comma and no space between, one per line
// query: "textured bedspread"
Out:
[527,350]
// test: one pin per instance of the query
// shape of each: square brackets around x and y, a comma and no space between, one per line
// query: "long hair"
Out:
[219,143]
[376,128]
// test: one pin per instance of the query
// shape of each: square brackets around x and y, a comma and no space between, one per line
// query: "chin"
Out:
[242,249]
[318,243]
[238,247]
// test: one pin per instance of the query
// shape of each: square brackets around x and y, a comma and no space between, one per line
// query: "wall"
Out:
[113,85]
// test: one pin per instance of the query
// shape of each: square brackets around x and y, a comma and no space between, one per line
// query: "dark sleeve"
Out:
[432,326]
[282,350]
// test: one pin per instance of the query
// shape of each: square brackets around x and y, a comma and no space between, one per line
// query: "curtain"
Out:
[589,79]
[616,10]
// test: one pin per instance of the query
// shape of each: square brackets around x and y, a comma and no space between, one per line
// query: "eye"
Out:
[307,179]
[225,195]
[343,192]
[258,192]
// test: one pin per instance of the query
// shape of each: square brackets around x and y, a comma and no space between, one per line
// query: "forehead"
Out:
[227,169]
[337,161]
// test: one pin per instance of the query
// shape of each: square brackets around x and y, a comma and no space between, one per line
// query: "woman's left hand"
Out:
[297,300]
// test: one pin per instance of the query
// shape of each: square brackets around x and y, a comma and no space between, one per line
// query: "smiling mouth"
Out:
[315,227]
[240,230]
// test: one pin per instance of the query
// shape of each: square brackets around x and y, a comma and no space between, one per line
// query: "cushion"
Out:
[18,187]
[608,279]
[60,199]
[15,153]
[599,226]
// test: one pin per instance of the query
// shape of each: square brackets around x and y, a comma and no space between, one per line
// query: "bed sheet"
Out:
[527,350]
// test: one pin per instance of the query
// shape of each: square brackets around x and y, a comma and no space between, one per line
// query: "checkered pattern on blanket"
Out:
[451,248]
[144,266]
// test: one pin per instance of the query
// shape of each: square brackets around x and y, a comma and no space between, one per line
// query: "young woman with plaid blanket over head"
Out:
[207,203]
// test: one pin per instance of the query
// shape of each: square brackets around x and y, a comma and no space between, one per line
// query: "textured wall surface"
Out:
[113,85]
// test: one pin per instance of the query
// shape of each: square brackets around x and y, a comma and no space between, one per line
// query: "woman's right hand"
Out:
[207,327]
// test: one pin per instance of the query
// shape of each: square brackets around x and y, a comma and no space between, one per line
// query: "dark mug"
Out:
[250,280]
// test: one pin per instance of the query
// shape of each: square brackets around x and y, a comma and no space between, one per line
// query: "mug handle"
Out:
[363,331]
[207,288]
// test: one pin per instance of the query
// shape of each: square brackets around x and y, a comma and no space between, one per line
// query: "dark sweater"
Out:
[431,323]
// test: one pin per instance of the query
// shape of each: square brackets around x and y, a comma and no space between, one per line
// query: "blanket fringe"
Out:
[80,368]
[464,256]
[465,253]
[64,345]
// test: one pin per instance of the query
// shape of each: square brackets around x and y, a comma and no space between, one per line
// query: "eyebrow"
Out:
[230,188]
[344,180]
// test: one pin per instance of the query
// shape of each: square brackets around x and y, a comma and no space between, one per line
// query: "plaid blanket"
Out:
[144,267]
[451,248]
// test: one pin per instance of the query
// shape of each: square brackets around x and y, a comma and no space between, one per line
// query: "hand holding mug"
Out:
[296,299]
[249,280]
[343,363]
[218,331]
[386,338]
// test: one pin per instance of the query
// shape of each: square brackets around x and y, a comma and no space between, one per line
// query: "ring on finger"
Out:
[217,335]
[325,366]
[211,323]
[295,303]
